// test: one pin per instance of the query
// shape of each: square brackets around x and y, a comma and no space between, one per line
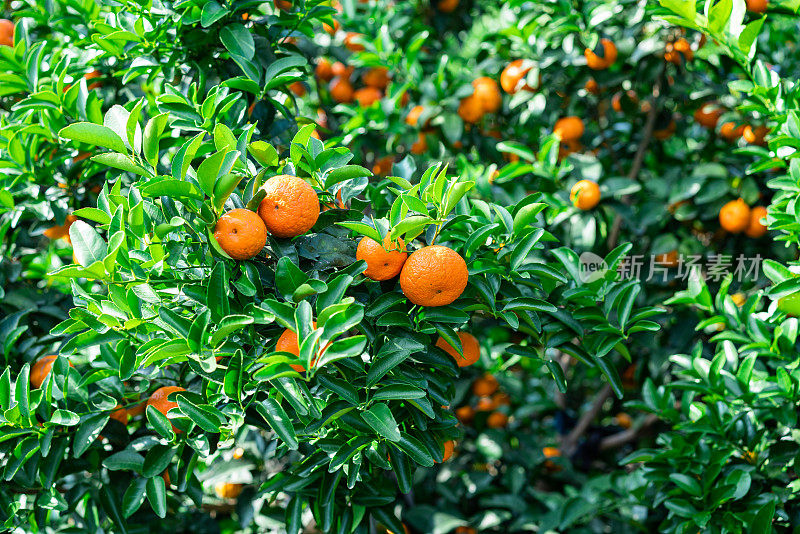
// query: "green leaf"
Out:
[87,244]
[93,134]
[276,417]
[380,418]
[157,495]
[238,40]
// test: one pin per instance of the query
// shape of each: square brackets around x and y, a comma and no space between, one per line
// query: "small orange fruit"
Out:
[678,52]
[668,259]
[434,276]
[708,115]
[228,490]
[238,453]
[289,342]
[551,452]
[665,132]
[383,166]
[485,385]
[341,90]
[624,420]
[755,136]
[324,70]
[465,530]
[735,216]
[603,56]
[755,228]
[61,231]
[470,109]
[486,404]
[290,207]
[731,132]
[158,400]
[298,88]
[120,414]
[447,6]
[341,70]
[592,86]
[331,30]
[448,447]
[469,345]
[757,6]
[384,262]
[377,77]
[569,128]
[497,420]
[420,146]
[6,32]
[512,75]
[91,76]
[585,195]
[412,119]
[241,234]
[351,42]
[487,92]
[624,100]
[366,96]
[465,414]
[40,370]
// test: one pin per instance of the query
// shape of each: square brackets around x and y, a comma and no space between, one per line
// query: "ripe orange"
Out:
[735,216]
[91,76]
[501,399]
[298,88]
[366,96]
[730,131]
[755,136]
[485,385]
[708,115]
[289,342]
[158,400]
[283,5]
[383,166]
[497,420]
[385,261]
[486,404]
[241,233]
[678,52]
[585,195]
[341,90]
[465,414]
[668,259]
[290,207]
[448,447]
[412,119]
[331,30]
[238,453]
[665,132]
[465,530]
[755,228]
[757,6]
[551,452]
[434,276]
[6,32]
[120,414]
[61,231]
[487,92]
[351,42]
[569,128]
[447,6]
[603,56]
[341,70]
[567,148]
[624,420]
[420,146]
[377,77]
[41,369]
[512,75]
[469,345]
[470,109]
[592,86]
[324,70]
[227,490]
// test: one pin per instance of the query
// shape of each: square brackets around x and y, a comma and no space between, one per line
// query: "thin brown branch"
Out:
[586,419]
[621,438]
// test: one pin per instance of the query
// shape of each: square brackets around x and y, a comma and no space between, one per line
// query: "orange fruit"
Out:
[469,345]
[283,5]
[666,132]
[341,70]
[569,128]
[592,86]
[624,100]
[120,414]
[165,476]
[241,234]
[238,453]
[341,90]
[61,231]
[486,404]
[755,136]
[755,228]
[290,207]
[512,75]
[448,447]
[470,109]
[137,409]
[708,115]
[434,276]
[757,6]
[351,42]
[551,452]
[420,146]
[668,259]
[412,119]
[497,420]
[447,6]
[501,399]
[227,490]
[405,530]
[730,131]
[383,166]
[465,530]
[384,262]
[585,195]
[331,30]
[158,400]
[41,369]
[603,56]
[324,70]
[366,96]
[465,414]
[6,32]
[91,76]
[566,148]
[624,420]
[678,52]
[487,92]
[81,156]
[735,216]
[485,385]
[289,342]
[377,77]
[298,88]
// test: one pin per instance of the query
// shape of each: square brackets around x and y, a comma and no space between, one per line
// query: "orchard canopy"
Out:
[409,267]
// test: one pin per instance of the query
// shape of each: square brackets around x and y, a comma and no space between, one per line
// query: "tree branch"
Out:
[586,419]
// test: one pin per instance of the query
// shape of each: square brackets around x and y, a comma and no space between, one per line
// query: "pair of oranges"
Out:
[289,208]
[737,217]
[485,98]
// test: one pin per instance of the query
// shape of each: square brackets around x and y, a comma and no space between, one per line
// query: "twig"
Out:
[621,438]
[586,419]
